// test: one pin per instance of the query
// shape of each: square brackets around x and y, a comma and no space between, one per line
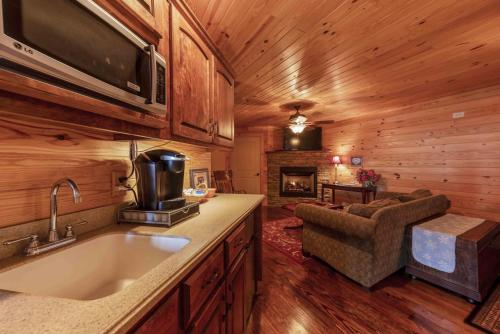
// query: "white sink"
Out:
[93,269]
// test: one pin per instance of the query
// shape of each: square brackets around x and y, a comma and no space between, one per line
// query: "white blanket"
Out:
[433,242]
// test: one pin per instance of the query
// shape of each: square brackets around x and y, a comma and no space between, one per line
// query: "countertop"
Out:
[24,313]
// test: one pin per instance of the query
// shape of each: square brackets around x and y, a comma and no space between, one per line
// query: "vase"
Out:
[368,184]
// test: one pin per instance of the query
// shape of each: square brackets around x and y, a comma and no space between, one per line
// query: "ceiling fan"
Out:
[298,121]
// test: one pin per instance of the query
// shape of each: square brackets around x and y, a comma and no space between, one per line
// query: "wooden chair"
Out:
[224,182]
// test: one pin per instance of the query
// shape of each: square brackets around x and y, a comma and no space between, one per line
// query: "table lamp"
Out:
[336,161]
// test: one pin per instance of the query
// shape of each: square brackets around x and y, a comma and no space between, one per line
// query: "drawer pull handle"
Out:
[212,278]
[239,243]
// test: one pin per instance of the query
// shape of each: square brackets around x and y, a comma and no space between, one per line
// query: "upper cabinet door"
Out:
[144,8]
[192,72]
[224,106]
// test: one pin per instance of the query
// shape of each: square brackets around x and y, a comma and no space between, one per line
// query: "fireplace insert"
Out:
[299,182]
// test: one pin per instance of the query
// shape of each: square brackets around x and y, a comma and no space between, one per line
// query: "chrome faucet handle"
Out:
[69,229]
[32,246]
[32,237]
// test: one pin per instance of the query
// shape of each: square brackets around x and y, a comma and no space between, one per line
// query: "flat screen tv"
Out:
[308,140]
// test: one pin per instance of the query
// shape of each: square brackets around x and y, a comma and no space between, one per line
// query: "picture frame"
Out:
[199,176]
[357,161]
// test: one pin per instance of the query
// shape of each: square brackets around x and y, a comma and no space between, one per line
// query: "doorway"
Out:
[246,163]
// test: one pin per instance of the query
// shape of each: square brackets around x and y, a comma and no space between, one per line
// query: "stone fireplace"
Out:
[299,182]
[294,176]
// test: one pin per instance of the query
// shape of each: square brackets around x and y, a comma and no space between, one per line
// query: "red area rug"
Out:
[285,235]
[487,315]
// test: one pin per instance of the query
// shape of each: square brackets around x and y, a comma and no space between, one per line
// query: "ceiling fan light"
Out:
[297,119]
[297,128]
[301,119]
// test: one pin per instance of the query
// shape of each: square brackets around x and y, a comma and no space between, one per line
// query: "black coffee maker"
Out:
[160,176]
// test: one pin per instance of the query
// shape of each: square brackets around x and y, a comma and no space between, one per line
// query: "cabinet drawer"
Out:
[201,283]
[235,243]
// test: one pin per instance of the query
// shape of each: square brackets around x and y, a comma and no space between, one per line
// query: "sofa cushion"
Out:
[338,221]
[421,193]
[367,210]
[417,194]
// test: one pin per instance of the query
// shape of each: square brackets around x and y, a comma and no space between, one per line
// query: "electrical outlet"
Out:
[117,186]
[458,114]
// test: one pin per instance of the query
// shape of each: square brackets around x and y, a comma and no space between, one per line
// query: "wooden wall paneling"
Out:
[35,154]
[221,159]
[423,146]
[192,72]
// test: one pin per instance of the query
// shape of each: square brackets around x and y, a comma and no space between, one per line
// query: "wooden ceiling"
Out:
[354,57]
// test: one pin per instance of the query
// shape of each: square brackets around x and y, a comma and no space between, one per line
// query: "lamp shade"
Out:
[336,160]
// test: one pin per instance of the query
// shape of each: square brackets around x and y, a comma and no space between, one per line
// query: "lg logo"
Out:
[20,47]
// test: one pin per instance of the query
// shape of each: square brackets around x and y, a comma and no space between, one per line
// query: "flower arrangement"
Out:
[367,177]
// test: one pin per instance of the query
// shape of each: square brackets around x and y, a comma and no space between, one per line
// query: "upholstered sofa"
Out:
[366,250]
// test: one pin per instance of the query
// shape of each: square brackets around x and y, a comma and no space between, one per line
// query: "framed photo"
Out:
[357,161]
[199,178]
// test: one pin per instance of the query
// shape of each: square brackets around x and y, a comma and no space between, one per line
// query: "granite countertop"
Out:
[24,313]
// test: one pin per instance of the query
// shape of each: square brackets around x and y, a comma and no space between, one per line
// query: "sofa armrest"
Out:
[413,211]
[338,221]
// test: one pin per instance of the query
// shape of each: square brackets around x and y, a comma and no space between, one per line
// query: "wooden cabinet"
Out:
[235,296]
[203,89]
[199,90]
[144,9]
[163,320]
[217,296]
[213,317]
[192,72]
[234,244]
[250,285]
[144,17]
[223,106]
[201,283]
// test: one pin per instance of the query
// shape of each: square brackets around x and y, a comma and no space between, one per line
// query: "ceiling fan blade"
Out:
[325,122]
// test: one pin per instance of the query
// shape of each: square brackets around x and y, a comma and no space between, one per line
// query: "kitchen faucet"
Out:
[53,235]
[35,246]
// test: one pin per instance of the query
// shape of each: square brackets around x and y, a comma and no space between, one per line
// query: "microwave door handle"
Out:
[152,64]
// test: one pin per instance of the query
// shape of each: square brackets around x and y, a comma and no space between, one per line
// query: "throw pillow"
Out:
[417,194]
[362,210]
[368,210]
[406,198]
[421,193]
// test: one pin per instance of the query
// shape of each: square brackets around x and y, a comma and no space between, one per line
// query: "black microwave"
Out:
[77,45]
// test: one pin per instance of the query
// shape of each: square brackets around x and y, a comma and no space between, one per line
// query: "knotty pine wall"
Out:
[423,147]
[33,155]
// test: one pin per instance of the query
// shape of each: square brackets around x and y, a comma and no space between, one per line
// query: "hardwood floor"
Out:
[315,299]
